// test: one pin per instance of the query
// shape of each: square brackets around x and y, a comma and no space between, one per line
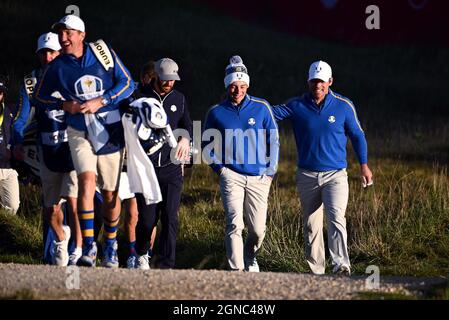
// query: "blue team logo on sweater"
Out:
[331,119]
[251,121]
[88,87]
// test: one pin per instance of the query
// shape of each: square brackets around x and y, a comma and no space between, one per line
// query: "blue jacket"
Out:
[84,79]
[248,137]
[320,133]
[23,109]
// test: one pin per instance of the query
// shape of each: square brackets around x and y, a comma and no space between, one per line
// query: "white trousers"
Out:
[9,190]
[327,190]
[245,198]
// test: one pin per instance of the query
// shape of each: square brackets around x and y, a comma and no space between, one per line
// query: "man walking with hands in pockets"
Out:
[246,158]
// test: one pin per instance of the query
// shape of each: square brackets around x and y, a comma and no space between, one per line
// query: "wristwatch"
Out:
[104,101]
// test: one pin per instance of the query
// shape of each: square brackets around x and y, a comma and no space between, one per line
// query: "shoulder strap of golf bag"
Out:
[102,53]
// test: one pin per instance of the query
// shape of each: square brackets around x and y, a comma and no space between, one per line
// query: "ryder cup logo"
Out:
[89,87]
[251,121]
[331,119]
[56,115]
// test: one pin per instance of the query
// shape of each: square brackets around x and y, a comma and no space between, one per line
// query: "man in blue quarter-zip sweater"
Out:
[244,152]
[321,120]
[90,81]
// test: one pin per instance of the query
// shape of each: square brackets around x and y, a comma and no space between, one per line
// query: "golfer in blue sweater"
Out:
[322,120]
[244,153]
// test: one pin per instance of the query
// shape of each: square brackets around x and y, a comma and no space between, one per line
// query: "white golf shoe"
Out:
[143,262]
[251,265]
[60,254]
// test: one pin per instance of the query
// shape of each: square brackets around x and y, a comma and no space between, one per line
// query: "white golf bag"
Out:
[152,124]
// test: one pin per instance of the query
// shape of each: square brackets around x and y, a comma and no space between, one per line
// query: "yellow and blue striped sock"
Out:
[110,230]
[86,218]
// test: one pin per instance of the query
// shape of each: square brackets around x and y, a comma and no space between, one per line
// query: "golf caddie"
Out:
[88,81]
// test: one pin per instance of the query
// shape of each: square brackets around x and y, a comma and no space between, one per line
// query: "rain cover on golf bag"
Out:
[152,124]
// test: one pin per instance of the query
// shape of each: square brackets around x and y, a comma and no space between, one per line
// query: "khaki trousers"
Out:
[326,191]
[244,200]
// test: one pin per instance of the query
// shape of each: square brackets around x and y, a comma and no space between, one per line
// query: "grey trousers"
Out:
[245,198]
[327,190]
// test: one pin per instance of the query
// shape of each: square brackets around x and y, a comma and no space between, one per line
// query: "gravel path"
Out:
[49,282]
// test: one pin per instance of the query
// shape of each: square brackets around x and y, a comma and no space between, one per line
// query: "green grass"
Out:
[401,224]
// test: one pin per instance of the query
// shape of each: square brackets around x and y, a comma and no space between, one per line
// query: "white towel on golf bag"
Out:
[141,174]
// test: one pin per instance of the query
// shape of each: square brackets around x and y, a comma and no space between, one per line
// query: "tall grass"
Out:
[402,224]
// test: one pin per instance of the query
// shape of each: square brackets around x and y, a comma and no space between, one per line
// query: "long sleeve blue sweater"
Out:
[320,131]
[246,137]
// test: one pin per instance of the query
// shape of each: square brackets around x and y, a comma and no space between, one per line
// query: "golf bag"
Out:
[153,128]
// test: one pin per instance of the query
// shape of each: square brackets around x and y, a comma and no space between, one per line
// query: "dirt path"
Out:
[48,282]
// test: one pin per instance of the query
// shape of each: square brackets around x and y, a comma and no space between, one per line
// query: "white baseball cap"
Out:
[320,70]
[167,69]
[48,40]
[70,21]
